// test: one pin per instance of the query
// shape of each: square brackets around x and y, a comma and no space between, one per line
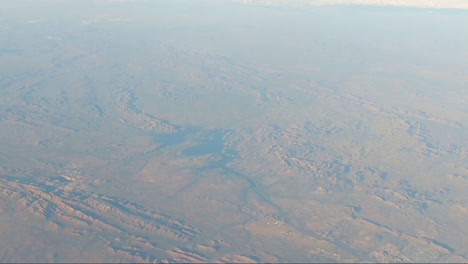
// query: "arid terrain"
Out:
[194,131]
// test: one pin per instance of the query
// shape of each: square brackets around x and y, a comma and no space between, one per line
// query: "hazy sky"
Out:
[410,3]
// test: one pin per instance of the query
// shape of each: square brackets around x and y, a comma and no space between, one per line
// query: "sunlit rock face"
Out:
[216,131]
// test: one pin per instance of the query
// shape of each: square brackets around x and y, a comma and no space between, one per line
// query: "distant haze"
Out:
[460,4]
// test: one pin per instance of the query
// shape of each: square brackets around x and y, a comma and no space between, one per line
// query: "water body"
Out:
[211,143]
[169,140]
